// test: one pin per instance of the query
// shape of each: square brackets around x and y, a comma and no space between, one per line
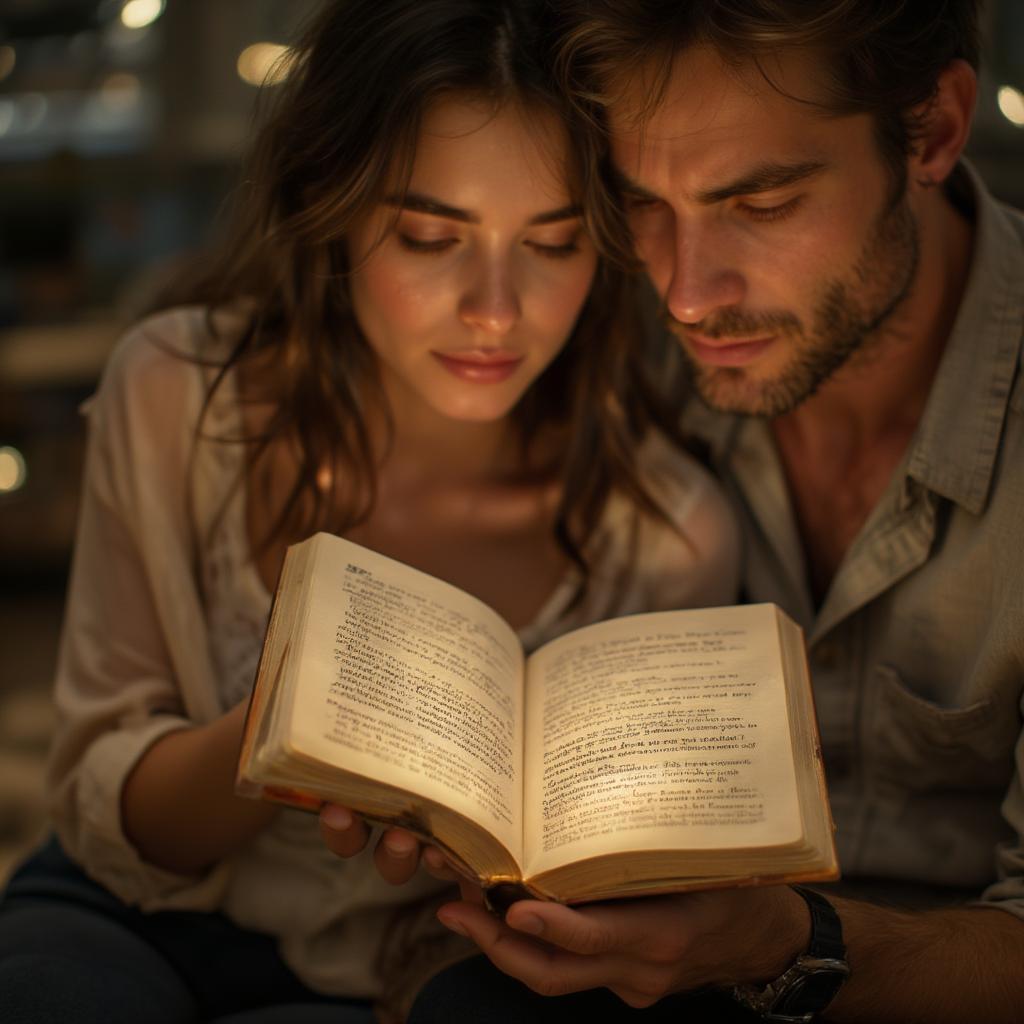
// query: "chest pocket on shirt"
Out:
[923,747]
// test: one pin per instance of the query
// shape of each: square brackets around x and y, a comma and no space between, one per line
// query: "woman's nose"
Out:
[491,304]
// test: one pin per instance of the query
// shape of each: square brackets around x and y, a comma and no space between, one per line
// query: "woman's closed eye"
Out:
[555,250]
[425,245]
[549,249]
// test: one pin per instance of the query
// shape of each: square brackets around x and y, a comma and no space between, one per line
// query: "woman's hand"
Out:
[397,854]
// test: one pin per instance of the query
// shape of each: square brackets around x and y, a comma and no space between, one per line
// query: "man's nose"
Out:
[703,277]
[490,302]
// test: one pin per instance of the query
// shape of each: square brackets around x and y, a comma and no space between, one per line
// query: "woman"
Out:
[411,341]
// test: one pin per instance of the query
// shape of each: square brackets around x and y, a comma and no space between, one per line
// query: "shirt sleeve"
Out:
[133,662]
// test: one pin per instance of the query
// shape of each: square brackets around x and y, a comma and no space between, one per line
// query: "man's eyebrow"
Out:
[627,186]
[419,203]
[763,178]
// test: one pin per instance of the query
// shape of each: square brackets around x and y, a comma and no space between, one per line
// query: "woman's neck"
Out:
[415,443]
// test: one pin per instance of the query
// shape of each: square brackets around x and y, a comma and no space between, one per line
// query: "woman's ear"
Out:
[945,121]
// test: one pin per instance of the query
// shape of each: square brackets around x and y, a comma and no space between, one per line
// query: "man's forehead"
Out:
[701,93]
[713,119]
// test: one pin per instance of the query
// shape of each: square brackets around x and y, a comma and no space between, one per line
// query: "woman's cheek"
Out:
[405,296]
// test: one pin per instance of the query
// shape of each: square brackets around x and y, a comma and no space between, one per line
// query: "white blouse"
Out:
[163,628]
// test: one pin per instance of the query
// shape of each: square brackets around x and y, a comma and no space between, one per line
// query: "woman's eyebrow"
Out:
[570,212]
[419,203]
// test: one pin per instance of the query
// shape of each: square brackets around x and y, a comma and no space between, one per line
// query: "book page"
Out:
[659,731]
[410,680]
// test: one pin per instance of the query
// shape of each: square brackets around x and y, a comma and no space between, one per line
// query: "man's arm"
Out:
[944,967]
[956,965]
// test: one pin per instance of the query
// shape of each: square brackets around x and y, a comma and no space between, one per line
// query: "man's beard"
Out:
[849,310]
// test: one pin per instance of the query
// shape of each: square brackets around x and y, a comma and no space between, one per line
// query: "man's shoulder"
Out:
[1013,218]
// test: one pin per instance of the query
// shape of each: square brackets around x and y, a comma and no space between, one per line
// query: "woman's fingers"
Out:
[397,856]
[344,832]
[436,864]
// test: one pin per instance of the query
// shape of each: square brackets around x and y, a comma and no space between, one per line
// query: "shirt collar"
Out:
[954,448]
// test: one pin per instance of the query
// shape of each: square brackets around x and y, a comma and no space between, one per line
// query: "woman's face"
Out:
[478,284]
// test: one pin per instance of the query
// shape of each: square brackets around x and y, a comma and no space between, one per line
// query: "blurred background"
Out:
[121,125]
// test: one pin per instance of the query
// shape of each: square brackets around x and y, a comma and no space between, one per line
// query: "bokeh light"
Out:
[264,64]
[13,470]
[140,13]
[1011,103]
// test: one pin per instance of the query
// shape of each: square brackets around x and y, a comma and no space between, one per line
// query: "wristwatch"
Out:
[811,983]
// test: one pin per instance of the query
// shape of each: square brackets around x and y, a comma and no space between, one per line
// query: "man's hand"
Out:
[641,949]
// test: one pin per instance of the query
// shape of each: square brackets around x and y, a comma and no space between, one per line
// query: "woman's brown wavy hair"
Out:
[340,130]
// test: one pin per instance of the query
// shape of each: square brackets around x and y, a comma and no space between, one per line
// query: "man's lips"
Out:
[480,365]
[726,351]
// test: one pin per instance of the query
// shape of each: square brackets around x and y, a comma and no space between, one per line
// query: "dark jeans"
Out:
[71,953]
[476,992]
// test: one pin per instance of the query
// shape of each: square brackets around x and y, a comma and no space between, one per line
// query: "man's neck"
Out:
[840,448]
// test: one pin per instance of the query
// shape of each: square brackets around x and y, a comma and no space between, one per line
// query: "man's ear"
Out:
[945,125]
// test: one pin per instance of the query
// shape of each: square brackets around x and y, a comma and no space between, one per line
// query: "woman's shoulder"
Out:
[676,478]
[156,352]
[166,361]
[690,555]
[150,396]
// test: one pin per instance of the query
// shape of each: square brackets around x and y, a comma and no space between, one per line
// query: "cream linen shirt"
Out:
[164,622]
[917,651]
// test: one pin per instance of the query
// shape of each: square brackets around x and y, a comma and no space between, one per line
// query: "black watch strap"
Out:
[826,928]
[813,980]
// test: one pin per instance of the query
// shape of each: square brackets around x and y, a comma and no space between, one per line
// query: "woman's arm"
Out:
[178,805]
[137,692]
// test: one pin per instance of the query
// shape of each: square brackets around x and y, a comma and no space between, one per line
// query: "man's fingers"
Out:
[573,930]
[343,832]
[397,856]
[546,969]
[653,930]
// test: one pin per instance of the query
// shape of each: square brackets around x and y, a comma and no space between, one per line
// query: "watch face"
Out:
[809,993]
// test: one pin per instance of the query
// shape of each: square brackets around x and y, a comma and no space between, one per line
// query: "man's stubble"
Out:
[847,317]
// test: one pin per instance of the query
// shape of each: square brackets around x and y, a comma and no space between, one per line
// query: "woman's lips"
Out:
[480,367]
[727,351]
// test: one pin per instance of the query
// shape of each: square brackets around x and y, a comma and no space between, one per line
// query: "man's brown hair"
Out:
[882,57]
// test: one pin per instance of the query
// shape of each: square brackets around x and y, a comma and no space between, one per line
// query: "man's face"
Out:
[775,235]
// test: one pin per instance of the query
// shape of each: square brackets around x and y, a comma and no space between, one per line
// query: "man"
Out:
[849,301]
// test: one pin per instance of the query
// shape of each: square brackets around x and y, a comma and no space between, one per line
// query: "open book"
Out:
[651,753]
